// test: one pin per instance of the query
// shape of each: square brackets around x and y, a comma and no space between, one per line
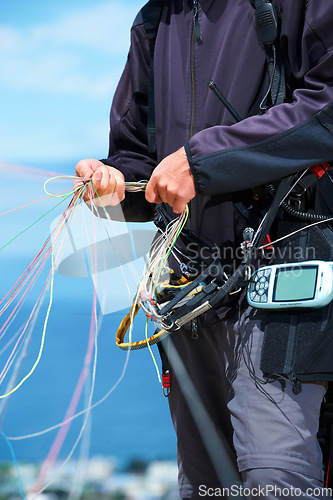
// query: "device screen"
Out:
[295,283]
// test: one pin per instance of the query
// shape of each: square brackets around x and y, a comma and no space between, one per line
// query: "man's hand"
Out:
[172,182]
[108,182]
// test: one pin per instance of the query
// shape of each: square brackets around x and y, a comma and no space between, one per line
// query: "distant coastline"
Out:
[98,478]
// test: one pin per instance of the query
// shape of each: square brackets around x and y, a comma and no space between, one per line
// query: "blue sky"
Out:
[60,63]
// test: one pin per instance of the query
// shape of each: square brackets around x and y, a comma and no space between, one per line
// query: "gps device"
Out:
[293,285]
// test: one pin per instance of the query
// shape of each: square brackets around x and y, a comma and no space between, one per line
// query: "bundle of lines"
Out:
[146,297]
[12,302]
[18,293]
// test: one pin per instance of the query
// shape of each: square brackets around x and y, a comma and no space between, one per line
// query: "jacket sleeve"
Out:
[289,137]
[128,143]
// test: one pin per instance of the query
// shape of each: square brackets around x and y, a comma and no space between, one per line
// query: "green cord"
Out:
[104,209]
[40,218]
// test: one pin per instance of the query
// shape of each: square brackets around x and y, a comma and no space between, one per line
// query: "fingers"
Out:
[172,182]
[179,206]
[152,192]
[86,168]
[103,181]
[107,186]
[157,192]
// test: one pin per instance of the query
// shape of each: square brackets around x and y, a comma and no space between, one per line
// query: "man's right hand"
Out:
[108,182]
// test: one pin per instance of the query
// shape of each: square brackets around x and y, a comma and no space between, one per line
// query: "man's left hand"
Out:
[172,182]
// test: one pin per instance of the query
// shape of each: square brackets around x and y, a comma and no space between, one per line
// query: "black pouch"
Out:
[298,344]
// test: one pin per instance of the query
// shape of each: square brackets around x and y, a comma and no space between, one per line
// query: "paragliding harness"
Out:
[184,296]
[287,335]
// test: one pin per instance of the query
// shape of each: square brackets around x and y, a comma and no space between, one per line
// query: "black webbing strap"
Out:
[283,189]
[215,265]
[268,26]
[235,281]
[151,14]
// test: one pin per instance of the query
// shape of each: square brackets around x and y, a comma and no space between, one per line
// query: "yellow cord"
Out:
[61,177]
[152,354]
[43,336]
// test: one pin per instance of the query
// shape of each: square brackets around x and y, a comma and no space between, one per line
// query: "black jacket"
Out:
[226,158]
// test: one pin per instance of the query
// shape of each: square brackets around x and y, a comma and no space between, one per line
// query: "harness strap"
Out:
[268,26]
[216,265]
[281,192]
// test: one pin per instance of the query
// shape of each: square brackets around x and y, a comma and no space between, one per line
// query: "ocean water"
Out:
[132,423]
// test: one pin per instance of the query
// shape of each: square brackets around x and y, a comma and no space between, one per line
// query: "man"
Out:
[207,159]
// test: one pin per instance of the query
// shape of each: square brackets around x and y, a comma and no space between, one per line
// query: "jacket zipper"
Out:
[193,84]
[196,36]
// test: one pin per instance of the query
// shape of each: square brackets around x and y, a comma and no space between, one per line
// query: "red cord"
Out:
[328,473]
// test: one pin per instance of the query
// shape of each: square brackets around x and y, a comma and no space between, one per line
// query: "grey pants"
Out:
[270,431]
